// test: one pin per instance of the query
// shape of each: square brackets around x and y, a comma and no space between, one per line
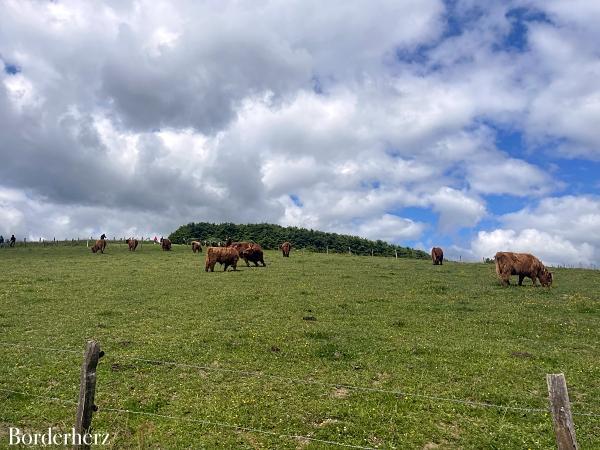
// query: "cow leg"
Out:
[521,280]
[255,263]
[225,268]
[247,263]
[533,278]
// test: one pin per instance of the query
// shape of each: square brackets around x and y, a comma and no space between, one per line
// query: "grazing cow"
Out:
[132,244]
[196,247]
[285,249]
[99,245]
[227,256]
[250,251]
[523,265]
[437,256]
[165,244]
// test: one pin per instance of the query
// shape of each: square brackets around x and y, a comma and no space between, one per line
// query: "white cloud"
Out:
[576,218]
[562,231]
[551,249]
[496,174]
[133,113]
[456,209]
[389,228]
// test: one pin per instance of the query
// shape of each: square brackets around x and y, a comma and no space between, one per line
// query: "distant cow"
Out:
[523,265]
[165,244]
[100,245]
[227,256]
[132,244]
[249,251]
[196,247]
[285,249]
[437,256]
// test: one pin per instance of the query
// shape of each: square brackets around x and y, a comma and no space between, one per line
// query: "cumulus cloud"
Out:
[456,209]
[140,116]
[551,249]
[562,231]
[388,227]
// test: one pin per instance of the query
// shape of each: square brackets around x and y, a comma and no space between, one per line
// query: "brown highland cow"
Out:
[196,247]
[285,249]
[165,244]
[249,251]
[99,245]
[523,265]
[437,256]
[228,256]
[132,244]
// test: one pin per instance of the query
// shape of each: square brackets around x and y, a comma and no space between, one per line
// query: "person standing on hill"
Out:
[103,236]
[13,239]
[1,239]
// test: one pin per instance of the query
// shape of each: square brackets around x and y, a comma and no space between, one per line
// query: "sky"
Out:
[469,125]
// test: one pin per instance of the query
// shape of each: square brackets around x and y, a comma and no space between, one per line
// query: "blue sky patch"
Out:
[11,69]
[294,198]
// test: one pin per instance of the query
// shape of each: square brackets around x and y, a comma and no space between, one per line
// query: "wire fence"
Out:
[192,420]
[295,380]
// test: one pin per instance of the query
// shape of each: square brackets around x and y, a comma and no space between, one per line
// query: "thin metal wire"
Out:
[319,383]
[8,344]
[341,385]
[27,394]
[201,421]
[237,427]
[585,414]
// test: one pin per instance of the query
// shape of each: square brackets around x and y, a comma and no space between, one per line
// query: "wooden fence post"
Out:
[564,428]
[87,390]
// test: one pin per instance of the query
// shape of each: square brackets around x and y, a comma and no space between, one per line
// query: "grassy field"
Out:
[447,331]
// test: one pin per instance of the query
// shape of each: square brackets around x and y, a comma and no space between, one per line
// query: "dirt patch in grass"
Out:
[340,392]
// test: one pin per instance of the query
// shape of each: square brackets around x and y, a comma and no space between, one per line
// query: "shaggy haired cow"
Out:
[132,244]
[165,244]
[523,265]
[249,251]
[437,256]
[100,245]
[196,247]
[227,256]
[285,249]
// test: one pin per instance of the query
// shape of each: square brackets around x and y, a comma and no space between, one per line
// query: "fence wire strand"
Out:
[193,420]
[252,373]
[63,350]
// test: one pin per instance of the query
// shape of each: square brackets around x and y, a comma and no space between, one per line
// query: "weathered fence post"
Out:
[564,428]
[396,251]
[87,390]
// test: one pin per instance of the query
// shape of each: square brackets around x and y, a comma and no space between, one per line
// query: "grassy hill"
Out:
[282,349]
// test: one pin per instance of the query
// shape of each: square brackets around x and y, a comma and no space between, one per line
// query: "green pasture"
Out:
[304,326]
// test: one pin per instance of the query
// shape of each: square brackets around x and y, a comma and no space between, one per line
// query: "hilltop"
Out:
[270,236]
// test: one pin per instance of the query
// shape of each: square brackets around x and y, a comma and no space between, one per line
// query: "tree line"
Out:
[270,236]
